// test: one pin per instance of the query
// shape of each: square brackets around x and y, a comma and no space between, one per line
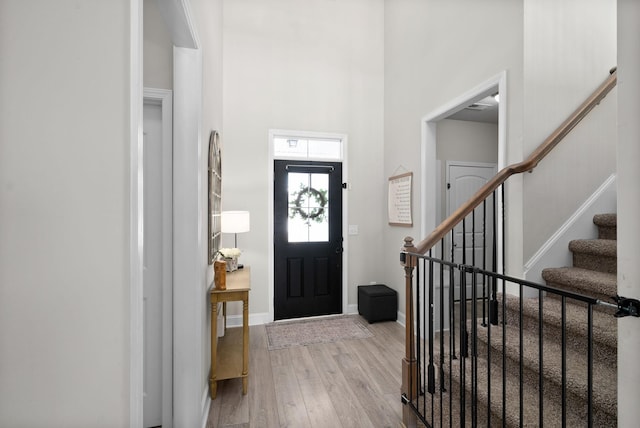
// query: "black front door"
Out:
[307,238]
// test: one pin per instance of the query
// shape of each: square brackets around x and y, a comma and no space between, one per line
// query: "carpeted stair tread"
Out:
[607,225]
[592,283]
[600,247]
[594,254]
[606,220]
[552,408]
[605,325]
[604,376]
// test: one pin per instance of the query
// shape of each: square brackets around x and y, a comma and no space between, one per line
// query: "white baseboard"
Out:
[352,309]
[254,319]
[206,404]
[401,319]
[555,252]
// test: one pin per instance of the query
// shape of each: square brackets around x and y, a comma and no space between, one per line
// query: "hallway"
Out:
[350,383]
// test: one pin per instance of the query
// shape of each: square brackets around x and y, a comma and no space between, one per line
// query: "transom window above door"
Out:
[307,148]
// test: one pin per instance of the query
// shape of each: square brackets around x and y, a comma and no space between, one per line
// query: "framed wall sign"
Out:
[400,196]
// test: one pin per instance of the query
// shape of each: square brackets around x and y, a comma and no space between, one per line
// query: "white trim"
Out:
[205,404]
[345,208]
[177,15]
[352,309]
[401,319]
[164,98]
[429,176]
[555,251]
[254,319]
[189,257]
[136,219]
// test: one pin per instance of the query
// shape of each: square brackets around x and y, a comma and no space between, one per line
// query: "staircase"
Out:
[593,274]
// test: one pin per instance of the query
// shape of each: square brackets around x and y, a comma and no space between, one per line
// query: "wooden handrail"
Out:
[528,165]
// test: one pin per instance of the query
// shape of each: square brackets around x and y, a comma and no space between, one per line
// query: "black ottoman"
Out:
[377,303]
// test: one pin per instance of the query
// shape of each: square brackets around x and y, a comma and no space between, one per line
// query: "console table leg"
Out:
[245,344]
[213,384]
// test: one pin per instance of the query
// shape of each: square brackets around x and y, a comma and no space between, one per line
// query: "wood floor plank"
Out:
[320,409]
[364,390]
[213,420]
[263,406]
[234,407]
[291,407]
[349,383]
[348,409]
[375,366]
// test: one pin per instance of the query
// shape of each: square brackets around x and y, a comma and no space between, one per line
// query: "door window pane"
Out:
[312,148]
[308,204]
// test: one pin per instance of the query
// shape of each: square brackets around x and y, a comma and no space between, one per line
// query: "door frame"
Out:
[191,403]
[429,165]
[270,206]
[164,99]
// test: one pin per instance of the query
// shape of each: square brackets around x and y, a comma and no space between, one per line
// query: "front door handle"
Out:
[339,250]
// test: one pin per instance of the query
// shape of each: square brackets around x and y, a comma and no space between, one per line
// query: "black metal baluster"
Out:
[474,353]
[484,261]
[463,347]
[431,386]
[521,351]
[504,354]
[563,326]
[441,319]
[590,366]
[540,361]
[493,308]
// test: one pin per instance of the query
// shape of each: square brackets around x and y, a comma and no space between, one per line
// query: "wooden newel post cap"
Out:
[405,259]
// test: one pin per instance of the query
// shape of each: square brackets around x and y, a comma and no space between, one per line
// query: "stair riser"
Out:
[576,404]
[530,402]
[605,297]
[607,232]
[575,339]
[595,262]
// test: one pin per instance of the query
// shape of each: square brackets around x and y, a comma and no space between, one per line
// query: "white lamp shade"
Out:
[235,221]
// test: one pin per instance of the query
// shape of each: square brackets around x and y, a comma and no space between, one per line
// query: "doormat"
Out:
[307,332]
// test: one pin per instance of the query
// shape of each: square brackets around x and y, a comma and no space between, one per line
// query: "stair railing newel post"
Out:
[409,388]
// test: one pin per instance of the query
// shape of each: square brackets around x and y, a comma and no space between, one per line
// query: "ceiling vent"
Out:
[478,106]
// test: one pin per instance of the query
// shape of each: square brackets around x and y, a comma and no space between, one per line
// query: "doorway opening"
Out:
[433,181]
[157,259]
[307,208]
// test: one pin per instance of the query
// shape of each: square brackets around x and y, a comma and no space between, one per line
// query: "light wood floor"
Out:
[351,383]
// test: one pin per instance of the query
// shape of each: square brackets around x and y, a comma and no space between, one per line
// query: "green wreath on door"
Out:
[317,208]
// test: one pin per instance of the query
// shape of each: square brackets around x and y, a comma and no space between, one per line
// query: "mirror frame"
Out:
[215,196]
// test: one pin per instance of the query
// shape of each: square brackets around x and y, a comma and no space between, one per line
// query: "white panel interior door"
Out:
[153,265]
[464,180]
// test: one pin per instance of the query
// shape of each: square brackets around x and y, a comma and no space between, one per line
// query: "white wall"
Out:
[158,49]
[628,208]
[459,140]
[208,19]
[569,47]
[64,213]
[434,52]
[314,66]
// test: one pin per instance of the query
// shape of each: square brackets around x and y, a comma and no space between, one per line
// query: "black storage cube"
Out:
[377,303]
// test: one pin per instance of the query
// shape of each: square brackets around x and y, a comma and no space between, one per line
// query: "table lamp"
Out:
[235,222]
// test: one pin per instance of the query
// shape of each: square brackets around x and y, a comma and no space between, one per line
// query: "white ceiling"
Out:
[484,110]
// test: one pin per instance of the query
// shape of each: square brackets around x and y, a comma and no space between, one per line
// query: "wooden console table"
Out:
[230,354]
